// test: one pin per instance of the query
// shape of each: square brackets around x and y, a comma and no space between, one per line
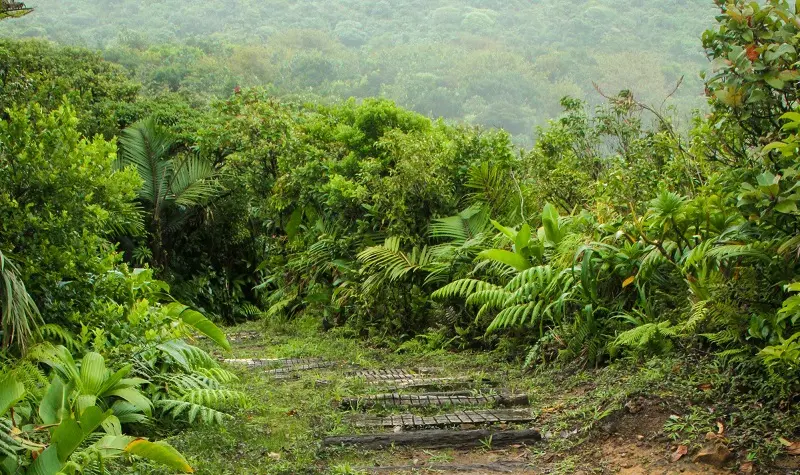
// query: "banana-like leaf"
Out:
[11,392]
[159,452]
[198,321]
[506,257]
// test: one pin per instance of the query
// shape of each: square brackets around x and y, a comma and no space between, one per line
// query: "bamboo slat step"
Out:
[455,398]
[455,418]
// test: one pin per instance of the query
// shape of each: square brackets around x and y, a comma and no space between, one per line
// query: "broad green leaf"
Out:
[774,82]
[11,392]
[550,223]
[46,463]
[523,238]
[793,287]
[160,452]
[115,378]
[506,257]
[774,146]
[66,438]
[198,321]
[786,207]
[135,397]
[70,434]
[51,409]
[510,233]
[93,373]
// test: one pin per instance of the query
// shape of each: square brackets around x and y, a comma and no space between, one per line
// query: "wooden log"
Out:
[495,467]
[437,439]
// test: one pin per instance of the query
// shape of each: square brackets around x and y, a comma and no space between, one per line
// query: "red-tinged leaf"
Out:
[720,428]
[747,468]
[752,53]
[705,387]
[679,452]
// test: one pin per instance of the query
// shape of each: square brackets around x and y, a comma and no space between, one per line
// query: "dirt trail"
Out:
[441,411]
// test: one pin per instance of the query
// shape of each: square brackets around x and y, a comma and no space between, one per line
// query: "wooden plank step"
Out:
[491,416]
[372,375]
[238,336]
[274,362]
[422,382]
[455,398]
[291,371]
[436,439]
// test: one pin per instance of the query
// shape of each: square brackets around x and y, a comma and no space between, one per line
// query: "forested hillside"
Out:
[149,196]
[495,63]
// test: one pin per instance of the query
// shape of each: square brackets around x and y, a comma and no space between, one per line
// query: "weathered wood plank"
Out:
[436,439]
[426,382]
[495,467]
[458,417]
[275,362]
[462,398]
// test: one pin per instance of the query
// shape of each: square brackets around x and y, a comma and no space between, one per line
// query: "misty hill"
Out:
[492,62]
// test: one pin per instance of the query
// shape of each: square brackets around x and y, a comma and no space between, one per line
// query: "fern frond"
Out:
[220,375]
[214,397]
[493,298]
[464,288]
[187,356]
[645,335]
[56,333]
[517,315]
[175,409]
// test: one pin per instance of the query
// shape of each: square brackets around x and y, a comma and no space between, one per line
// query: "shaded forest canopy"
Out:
[495,63]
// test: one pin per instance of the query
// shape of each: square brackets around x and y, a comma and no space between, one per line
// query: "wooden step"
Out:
[422,382]
[454,398]
[274,362]
[437,439]
[491,416]
[372,375]
[239,336]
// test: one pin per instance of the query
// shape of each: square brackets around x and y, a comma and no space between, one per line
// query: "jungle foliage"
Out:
[131,221]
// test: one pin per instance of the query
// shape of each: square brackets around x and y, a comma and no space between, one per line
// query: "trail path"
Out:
[434,420]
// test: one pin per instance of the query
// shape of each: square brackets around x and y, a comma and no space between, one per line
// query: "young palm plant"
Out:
[172,184]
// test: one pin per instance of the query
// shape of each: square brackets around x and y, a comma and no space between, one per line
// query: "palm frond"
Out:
[193,182]
[146,147]
[19,315]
